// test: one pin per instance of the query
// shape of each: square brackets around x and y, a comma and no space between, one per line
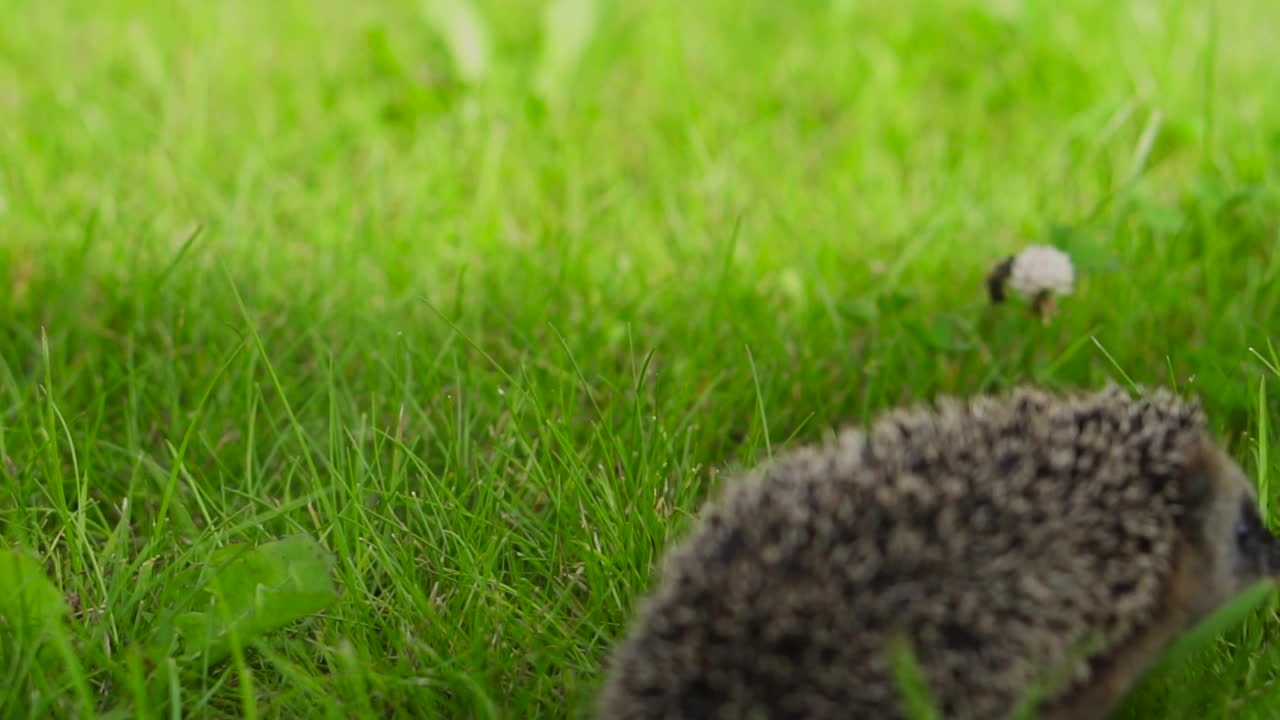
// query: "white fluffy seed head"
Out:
[1039,269]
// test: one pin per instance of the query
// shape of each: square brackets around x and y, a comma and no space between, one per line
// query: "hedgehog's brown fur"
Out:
[1007,538]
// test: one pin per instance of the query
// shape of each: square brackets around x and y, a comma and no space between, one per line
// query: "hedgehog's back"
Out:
[761,614]
[979,532]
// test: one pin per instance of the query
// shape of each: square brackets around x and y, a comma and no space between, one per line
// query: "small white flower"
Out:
[1041,269]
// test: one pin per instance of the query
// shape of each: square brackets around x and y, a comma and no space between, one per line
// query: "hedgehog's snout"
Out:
[1255,544]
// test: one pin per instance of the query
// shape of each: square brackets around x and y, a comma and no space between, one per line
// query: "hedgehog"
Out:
[1024,546]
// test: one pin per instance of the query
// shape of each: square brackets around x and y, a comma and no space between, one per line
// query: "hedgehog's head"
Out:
[1235,545]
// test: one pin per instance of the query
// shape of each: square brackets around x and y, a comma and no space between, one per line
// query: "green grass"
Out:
[270,268]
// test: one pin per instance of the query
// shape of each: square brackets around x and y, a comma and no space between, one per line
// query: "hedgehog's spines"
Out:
[1013,521]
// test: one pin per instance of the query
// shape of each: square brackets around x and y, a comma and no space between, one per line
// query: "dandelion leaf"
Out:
[247,593]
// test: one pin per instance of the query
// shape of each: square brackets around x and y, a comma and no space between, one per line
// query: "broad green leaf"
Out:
[250,592]
[27,598]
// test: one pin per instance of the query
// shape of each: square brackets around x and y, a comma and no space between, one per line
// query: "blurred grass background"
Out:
[488,296]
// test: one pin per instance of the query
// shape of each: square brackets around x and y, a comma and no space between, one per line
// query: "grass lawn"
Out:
[487,302]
